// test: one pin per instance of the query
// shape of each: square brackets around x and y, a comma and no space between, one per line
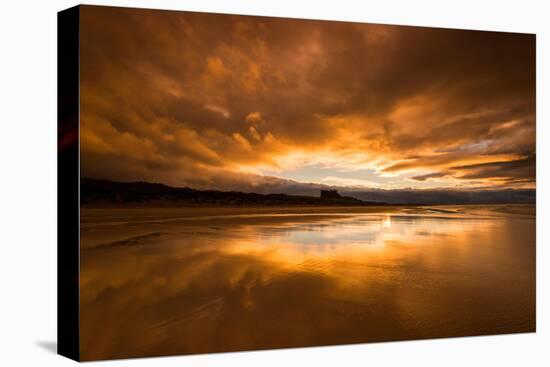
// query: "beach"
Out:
[185,280]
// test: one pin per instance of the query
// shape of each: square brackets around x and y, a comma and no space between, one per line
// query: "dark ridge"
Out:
[447,196]
[94,191]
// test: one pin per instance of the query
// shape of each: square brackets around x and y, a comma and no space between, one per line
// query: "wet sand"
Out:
[162,281]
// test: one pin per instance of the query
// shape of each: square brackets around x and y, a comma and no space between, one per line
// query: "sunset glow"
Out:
[233,102]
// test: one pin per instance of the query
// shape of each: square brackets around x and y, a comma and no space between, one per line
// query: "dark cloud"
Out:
[522,169]
[429,175]
[204,100]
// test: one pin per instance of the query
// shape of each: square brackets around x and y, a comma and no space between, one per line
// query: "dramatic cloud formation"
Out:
[264,104]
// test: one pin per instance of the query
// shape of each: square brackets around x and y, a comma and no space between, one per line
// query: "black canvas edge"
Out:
[68,183]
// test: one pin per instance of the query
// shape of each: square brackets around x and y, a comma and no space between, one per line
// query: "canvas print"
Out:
[254,183]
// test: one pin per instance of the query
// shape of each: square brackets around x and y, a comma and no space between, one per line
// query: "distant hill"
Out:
[446,196]
[94,191]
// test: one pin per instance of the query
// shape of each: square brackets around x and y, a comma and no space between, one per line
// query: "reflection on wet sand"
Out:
[174,281]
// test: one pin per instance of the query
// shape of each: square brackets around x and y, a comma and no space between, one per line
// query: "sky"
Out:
[261,104]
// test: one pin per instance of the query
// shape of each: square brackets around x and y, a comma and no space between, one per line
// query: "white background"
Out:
[28,183]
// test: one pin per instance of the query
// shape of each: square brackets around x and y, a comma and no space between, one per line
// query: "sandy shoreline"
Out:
[97,214]
[100,225]
[194,277]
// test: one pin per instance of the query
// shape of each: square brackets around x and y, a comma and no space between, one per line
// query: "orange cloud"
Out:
[214,101]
